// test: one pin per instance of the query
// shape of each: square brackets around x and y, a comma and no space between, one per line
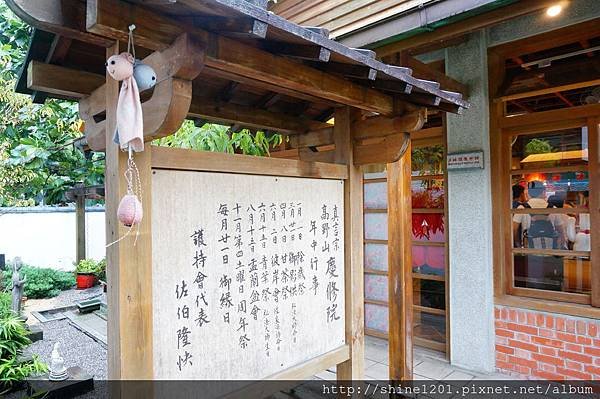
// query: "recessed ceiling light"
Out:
[554,10]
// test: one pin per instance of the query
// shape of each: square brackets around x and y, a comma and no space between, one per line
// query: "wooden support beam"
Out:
[379,126]
[549,90]
[316,138]
[129,267]
[168,107]
[305,52]
[593,126]
[389,150]
[400,291]
[318,30]
[312,155]
[423,71]
[230,26]
[351,70]
[110,18]
[65,82]
[63,17]
[353,369]
[257,118]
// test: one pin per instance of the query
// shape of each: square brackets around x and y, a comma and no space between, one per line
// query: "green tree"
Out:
[38,161]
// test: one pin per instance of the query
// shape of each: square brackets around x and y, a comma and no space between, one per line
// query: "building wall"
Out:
[470,215]
[472,335]
[45,237]
[546,345]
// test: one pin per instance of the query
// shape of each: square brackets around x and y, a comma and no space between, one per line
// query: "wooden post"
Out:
[80,226]
[354,368]
[400,269]
[594,205]
[129,267]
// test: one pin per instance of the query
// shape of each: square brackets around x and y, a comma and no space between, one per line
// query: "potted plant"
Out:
[87,273]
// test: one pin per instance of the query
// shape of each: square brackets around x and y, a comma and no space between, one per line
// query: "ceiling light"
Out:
[554,10]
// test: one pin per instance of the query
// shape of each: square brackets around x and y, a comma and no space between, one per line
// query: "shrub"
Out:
[13,338]
[43,282]
[5,304]
[90,266]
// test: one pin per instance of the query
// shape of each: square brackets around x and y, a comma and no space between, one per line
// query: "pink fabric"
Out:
[130,122]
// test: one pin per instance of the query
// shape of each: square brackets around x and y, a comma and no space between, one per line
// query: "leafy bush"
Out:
[13,339]
[5,304]
[90,266]
[43,282]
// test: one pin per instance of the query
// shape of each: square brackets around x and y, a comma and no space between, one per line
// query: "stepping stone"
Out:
[35,333]
[78,383]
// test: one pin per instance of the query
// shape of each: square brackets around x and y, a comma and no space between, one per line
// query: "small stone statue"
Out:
[58,371]
[18,286]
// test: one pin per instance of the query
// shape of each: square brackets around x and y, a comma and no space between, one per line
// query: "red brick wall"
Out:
[546,346]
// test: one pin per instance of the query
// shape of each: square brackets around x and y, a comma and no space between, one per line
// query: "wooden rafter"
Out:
[69,83]
[110,18]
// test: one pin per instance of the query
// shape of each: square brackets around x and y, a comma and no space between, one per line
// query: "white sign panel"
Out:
[465,160]
[248,273]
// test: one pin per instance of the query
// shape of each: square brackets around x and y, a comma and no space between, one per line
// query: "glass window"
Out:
[549,212]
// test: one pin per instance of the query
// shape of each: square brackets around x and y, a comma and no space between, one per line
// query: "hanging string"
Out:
[132,174]
[130,44]
[134,187]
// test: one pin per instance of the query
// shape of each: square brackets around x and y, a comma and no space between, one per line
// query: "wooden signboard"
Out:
[248,273]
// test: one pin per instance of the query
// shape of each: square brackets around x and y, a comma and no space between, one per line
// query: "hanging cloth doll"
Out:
[129,134]
[130,123]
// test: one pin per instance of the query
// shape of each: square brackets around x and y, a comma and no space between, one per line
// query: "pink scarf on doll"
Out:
[130,122]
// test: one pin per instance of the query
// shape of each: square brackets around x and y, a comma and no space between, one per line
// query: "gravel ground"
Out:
[65,298]
[76,347]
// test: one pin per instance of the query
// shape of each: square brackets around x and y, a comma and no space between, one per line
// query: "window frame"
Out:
[507,127]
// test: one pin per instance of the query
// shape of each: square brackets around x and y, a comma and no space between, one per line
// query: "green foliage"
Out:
[43,282]
[217,138]
[13,339]
[5,304]
[90,266]
[538,146]
[38,163]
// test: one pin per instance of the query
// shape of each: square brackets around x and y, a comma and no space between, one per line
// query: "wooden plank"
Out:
[66,82]
[451,31]
[594,206]
[400,269]
[228,25]
[379,126]
[354,368]
[63,17]
[229,113]
[423,71]
[305,52]
[315,138]
[129,267]
[552,116]
[110,18]
[549,90]
[549,306]
[183,159]
[389,150]
[313,155]
[553,252]
[308,369]
[80,227]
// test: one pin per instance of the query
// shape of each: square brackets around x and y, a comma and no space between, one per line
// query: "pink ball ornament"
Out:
[120,66]
[130,210]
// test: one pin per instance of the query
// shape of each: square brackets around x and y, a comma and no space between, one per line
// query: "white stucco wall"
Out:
[46,237]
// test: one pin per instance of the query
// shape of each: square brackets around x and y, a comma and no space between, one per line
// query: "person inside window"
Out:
[543,231]
[519,196]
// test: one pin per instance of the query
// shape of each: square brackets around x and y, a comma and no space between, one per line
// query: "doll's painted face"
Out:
[120,66]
